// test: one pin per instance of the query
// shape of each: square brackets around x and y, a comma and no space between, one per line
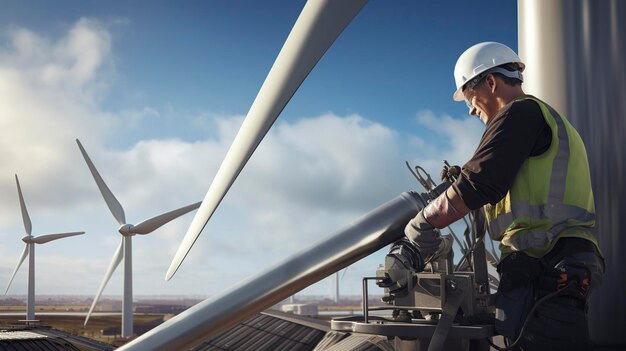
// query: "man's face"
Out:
[480,99]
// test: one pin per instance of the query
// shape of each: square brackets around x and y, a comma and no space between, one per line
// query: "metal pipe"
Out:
[365,303]
[378,228]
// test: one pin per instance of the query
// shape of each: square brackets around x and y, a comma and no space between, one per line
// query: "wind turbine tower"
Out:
[336,297]
[29,250]
[124,250]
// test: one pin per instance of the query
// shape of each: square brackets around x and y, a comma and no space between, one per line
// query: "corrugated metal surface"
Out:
[18,340]
[331,338]
[359,343]
[276,331]
[36,345]
[81,342]
[273,331]
[19,335]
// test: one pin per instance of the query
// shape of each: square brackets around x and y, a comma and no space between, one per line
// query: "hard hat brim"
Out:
[458,95]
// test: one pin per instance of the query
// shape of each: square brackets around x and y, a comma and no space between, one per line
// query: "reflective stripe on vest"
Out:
[539,238]
[522,225]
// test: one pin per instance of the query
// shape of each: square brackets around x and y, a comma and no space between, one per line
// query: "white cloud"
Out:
[327,160]
[49,91]
[449,139]
[72,63]
[134,117]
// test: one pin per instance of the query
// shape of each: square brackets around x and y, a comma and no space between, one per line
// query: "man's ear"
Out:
[492,82]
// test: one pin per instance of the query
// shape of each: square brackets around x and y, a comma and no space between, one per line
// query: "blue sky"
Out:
[156,91]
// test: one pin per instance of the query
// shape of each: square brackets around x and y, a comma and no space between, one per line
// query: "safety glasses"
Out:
[476,81]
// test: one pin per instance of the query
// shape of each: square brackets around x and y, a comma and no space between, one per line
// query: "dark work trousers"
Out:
[559,323]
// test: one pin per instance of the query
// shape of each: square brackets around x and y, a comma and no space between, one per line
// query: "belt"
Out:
[567,246]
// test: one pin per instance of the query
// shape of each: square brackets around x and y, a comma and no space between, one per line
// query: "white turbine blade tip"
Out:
[17,267]
[115,261]
[196,227]
[176,262]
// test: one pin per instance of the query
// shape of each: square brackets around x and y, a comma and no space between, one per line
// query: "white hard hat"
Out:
[480,58]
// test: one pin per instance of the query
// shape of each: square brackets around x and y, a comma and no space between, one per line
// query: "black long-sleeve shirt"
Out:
[517,132]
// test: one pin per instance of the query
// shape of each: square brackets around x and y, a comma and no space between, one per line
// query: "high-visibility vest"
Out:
[551,196]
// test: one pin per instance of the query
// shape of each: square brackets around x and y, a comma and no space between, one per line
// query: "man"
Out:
[531,175]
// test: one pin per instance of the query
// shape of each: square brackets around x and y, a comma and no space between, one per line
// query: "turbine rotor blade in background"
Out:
[317,27]
[117,258]
[42,239]
[114,206]
[19,263]
[27,224]
[149,225]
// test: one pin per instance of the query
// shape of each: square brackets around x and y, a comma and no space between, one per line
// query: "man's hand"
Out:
[423,235]
[449,173]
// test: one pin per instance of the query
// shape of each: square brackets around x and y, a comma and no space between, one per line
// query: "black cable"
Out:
[532,310]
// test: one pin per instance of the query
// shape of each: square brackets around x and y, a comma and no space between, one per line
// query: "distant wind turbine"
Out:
[29,250]
[124,250]
[336,285]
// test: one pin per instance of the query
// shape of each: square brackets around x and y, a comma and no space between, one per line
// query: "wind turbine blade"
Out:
[42,239]
[27,224]
[153,223]
[109,198]
[317,27]
[19,263]
[117,258]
